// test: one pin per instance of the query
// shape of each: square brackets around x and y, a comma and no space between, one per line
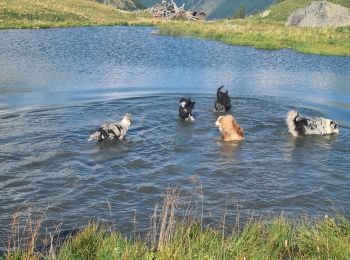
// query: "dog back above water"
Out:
[111,131]
[301,126]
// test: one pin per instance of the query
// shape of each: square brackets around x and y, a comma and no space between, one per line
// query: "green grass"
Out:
[62,13]
[276,238]
[182,237]
[270,32]
[266,34]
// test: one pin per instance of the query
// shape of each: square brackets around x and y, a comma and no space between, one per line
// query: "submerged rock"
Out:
[320,14]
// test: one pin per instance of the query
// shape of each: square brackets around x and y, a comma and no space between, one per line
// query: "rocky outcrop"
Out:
[169,10]
[320,14]
[265,13]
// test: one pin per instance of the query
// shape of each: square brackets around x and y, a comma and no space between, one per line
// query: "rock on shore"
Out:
[320,14]
[169,10]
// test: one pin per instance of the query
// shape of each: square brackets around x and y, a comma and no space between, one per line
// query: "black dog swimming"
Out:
[185,109]
[223,101]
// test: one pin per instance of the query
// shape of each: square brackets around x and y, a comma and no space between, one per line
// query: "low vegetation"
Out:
[174,237]
[62,13]
[124,4]
[269,32]
[279,238]
[265,34]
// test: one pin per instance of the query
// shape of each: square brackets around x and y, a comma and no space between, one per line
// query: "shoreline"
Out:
[183,237]
[238,33]
[253,32]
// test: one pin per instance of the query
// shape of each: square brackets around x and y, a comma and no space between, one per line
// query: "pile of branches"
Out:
[169,10]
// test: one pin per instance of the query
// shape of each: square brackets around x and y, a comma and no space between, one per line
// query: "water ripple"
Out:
[57,87]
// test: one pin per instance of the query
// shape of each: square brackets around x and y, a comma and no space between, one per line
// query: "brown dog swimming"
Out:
[229,128]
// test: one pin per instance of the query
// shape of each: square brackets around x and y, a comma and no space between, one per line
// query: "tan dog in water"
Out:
[229,128]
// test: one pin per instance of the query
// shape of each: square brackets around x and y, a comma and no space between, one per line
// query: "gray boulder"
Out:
[320,14]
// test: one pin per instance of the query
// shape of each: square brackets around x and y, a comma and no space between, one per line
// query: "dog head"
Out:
[187,103]
[223,101]
[333,127]
[183,101]
[126,121]
[229,128]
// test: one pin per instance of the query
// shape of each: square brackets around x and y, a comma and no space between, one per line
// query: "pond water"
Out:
[58,85]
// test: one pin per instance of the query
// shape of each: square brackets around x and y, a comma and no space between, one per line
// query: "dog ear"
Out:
[240,131]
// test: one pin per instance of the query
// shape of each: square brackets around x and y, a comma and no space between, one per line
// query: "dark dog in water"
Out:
[223,101]
[300,126]
[185,109]
[110,131]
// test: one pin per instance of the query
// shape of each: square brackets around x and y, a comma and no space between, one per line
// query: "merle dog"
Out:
[301,126]
[110,131]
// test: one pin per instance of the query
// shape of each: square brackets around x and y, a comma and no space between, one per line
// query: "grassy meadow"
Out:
[62,13]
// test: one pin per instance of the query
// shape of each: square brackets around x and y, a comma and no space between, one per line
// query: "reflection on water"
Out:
[57,86]
[312,144]
[228,150]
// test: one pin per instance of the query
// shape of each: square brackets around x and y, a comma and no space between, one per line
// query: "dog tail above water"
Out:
[218,92]
[291,118]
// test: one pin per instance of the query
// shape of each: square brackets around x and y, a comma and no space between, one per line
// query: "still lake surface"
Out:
[58,85]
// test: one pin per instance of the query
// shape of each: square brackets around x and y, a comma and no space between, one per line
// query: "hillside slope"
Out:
[123,4]
[227,8]
[281,11]
[48,13]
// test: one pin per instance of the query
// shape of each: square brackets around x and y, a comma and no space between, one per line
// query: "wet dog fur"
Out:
[110,131]
[229,128]
[223,101]
[185,109]
[301,126]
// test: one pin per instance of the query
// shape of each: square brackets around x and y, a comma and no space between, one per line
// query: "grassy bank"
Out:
[277,238]
[266,34]
[63,13]
[172,234]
